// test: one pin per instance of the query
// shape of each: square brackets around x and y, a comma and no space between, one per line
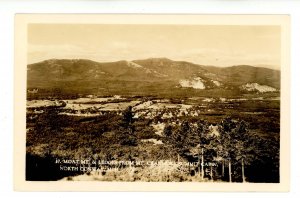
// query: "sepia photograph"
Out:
[153,99]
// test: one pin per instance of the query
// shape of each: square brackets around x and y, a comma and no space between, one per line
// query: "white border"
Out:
[9,8]
[21,25]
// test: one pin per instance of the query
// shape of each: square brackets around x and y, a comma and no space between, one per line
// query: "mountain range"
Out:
[149,76]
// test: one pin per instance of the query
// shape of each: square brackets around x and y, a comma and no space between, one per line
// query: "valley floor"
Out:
[195,139]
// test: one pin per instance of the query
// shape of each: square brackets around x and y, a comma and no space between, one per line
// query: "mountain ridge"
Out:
[146,73]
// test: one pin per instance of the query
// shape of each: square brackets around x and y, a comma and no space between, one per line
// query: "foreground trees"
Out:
[201,133]
[235,144]
[233,147]
[221,149]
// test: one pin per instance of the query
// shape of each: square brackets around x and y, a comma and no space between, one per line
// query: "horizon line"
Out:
[227,66]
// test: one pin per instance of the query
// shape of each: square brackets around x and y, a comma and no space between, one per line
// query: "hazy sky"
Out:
[206,45]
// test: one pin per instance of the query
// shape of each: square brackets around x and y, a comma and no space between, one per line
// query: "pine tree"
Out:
[227,150]
[243,145]
[201,133]
[127,129]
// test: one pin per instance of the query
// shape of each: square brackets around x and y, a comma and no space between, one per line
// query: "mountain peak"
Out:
[164,59]
[167,74]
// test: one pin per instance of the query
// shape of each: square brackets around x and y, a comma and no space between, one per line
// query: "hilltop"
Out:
[150,76]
